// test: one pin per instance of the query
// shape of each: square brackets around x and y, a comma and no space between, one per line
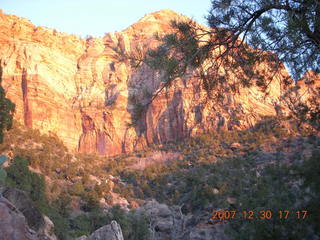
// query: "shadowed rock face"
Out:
[13,225]
[80,90]
[20,219]
[19,199]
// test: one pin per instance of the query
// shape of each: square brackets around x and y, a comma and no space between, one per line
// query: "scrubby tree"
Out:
[6,113]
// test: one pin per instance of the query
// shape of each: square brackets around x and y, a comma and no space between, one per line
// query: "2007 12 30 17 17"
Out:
[261,214]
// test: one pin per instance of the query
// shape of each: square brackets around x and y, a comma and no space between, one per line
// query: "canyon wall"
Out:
[87,93]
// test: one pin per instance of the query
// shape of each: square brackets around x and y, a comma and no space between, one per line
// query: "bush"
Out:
[134,227]
[310,172]
[77,189]
[85,224]
[92,201]
[33,184]
[20,177]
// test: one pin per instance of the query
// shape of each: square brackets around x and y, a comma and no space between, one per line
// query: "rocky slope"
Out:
[20,219]
[9,215]
[81,89]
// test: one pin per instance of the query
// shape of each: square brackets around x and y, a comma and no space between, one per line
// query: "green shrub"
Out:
[61,223]
[310,172]
[77,189]
[92,201]
[134,227]
[85,224]
[3,173]
[21,177]
[33,184]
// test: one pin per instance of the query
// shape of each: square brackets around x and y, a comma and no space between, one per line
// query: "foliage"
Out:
[208,166]
[251,182]
[3,173]
[278,187]
[273,188]
[61,223]
[77,189]
[33,184]
[246,45]
[21,177]
[306,110]
[288,28]
[44,152]
[85,224]
[6,112]
[92,200]
[310,172]
[62,204]
[134,227]
[47,154]
[169,182]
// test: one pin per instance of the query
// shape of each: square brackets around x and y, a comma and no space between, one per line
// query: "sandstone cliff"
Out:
[81,89]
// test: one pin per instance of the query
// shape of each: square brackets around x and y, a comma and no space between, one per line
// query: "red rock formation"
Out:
[82,90]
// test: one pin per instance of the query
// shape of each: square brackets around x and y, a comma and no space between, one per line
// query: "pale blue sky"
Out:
[96,17]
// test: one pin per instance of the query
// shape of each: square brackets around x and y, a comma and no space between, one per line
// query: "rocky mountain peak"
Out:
[156,22]
[165,15]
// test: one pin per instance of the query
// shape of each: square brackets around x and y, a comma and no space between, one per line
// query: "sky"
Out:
[97,17]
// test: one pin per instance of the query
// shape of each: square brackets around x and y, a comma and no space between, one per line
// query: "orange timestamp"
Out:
[262,214]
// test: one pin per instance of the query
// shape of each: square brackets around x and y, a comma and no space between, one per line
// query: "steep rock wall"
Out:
[86,93]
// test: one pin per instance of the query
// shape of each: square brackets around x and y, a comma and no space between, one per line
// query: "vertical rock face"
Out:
[86,93]
[38,68]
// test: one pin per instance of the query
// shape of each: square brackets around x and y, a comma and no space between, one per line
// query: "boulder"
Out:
[111,231]
[13,225]
[40,225]
[46,232]
[235,146]
[25,205]
[170,223]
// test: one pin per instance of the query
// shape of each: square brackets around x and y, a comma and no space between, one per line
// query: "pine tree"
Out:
[6,113]
[243,37]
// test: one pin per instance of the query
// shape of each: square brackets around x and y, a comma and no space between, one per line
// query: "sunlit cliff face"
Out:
[82,90]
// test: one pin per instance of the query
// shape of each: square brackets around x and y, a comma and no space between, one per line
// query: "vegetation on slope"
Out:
[53,178]
[213,175]
[267,167]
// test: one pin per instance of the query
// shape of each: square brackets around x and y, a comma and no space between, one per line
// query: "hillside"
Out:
[171,191]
